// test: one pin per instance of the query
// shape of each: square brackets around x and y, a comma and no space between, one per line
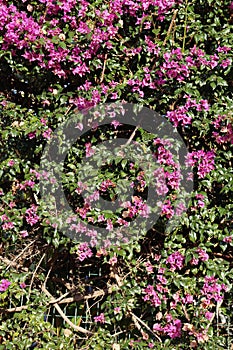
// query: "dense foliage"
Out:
[170,289]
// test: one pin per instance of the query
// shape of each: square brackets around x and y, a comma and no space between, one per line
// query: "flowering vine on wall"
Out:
[169,289]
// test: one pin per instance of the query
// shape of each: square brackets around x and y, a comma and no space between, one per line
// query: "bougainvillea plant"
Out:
[170,288]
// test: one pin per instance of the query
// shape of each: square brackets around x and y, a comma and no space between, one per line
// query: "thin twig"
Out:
[115,275]
[130,139]
[14,264]
[185,312]
[104,67]
[118,333]
[168,32]
[65,318]
[63,300]
[171,26]
[34,274]
[219,303]
[137,320]
[185,25]
[215,314]
[20,254]
[131,136]
[76,298]
[223,256]
[47,276]
[138,326]
[68,109]
[16,309]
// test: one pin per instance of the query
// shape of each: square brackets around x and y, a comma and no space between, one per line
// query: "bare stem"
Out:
[171,26]
[65,318]
[185,25]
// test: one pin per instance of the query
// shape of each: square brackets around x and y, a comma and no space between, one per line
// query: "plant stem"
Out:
[185,25]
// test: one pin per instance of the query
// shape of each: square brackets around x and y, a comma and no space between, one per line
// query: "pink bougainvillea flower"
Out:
[117,310]
[203,256]
[113,260]
[209,315]
[11,162]
[228,239]
[32,135]
[166,208]
[43,121]
[109,225]
[84,251]
[24,233]
[8,225]
[176,261]
[152,296]
[47,133]
[31,217]
[100,318]
[115,124]
[23,285]
[4,285]
[149,267]
[79,126]
[203,160]
[89,150]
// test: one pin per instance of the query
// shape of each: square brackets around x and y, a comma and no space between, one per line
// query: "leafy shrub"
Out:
[170,288]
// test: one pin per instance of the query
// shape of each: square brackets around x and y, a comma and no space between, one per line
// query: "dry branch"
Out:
[65,318]
[20,254]
[76,298]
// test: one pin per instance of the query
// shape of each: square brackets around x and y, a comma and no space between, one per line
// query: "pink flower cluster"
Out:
[31,217]
[160,181]
[187,299]
[172,328]
[11,162]
[135,207]
[228,239]
[7,223]
[47,133]
[166,180]
[203,256]
[173,67]
[141,180]
[176,66]
[27,183]
[100,318]
[24,233]
[203,160]
[89,150]
[201,59]
[212,290]
[166,208]
[152,296]
[4,285]
[83,211]
[84,251]
[149,267]
[113,260]
[44,42]
[180,116]
[106,184]
[200,197]
[176,261]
